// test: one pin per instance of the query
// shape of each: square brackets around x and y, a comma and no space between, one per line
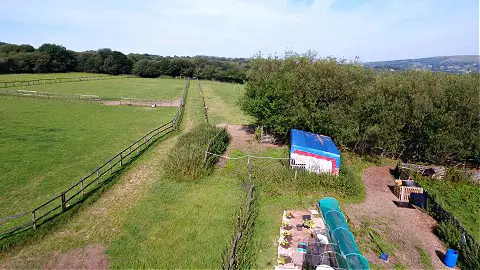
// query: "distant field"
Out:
[462,200]
[34,76]
[165,89]
[221,100]
[47,145]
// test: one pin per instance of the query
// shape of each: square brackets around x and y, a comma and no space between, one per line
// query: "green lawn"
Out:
[163,89]
[180,225]
[35,76]
[222,102]
[46,145]
[461,199]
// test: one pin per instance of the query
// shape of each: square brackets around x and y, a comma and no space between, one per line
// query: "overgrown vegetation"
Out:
[462,199]
[276,177]
[188,161]
[412,115]
[469,251]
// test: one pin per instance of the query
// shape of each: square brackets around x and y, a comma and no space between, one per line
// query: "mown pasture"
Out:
[222,103]
[46,145]
[160,89]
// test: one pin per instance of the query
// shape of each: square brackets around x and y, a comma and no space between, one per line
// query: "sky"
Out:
[371,30]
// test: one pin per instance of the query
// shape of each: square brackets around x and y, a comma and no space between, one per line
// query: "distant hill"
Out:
[451,64]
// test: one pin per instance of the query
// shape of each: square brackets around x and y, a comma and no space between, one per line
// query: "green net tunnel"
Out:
[340,234]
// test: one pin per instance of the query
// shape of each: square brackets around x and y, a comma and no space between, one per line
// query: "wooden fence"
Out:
[76,193]
[245,222]
[6,84]
[48,95]
[205,116]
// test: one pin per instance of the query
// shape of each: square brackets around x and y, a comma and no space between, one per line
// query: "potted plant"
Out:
[289,215]
[284,243]
[299,227]
[308,223]
[285,224]
[287,235]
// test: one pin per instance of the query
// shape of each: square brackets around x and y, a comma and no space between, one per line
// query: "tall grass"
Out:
[188,160]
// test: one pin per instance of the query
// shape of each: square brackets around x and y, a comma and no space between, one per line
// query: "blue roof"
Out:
[313,141]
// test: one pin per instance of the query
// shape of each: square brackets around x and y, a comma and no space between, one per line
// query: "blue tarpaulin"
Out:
[315,146]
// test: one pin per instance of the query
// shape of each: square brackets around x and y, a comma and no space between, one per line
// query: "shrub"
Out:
[187,161]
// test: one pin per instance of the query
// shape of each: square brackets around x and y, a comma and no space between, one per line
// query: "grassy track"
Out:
[462,200]
[35,76]
[181,224]
[46,145]
[165,89]
[222,102]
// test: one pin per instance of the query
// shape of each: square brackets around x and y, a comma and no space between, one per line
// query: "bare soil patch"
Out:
[89,257]
[405,227]
[163,103]
[242,137]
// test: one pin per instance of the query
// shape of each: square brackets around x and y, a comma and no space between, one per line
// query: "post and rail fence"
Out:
[75,193]
[18,83]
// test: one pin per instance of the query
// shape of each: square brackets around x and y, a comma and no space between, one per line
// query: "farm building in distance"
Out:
[314,152]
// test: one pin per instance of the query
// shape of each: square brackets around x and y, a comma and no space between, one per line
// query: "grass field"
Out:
[147,220]
[222,102]
[34,76]
[163,89]
[45,145]
[461,199]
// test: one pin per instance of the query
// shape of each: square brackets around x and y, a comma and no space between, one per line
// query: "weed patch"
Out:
[188,160]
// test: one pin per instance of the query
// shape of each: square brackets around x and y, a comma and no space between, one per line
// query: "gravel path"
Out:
[402,226]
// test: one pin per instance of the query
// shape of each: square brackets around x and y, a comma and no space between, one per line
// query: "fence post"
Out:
[34,220]
[121,159]
[63,201]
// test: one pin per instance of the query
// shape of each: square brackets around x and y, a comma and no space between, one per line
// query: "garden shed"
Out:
[314,152]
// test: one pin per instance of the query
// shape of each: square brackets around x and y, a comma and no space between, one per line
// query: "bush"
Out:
[187,160]
[412,114]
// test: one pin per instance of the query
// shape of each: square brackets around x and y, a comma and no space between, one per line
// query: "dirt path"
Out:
[407,228]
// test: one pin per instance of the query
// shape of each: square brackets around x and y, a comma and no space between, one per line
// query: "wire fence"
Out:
[18,83]
[90,98]
[76,193]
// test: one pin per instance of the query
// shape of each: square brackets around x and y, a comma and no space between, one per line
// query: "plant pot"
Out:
[299,227]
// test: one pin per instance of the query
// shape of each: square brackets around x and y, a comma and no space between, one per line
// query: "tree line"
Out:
[56,58]
[413,115]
